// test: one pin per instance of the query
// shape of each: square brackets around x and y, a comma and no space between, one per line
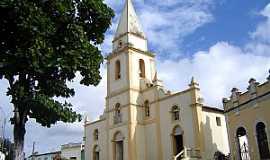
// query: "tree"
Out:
[43,44]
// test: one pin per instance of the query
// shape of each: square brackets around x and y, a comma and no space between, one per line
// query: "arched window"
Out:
[142,68]
[242,144]
[96,153]
[146,108]
[117,114]
[117,70]
[218,121]
[117,109]
[178,144]
[120,43]
[118,146]
[96,134]
[262,141]
[175,113]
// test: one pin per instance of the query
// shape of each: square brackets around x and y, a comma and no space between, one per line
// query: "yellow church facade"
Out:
[248,119]
[142,120]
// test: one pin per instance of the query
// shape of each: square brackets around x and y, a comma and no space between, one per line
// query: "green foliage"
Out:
[43,44]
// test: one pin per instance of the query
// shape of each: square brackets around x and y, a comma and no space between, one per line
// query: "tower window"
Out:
[117,109]
[142,68]
[147,108]
[117,70]
[120,43]
[175,113]
[95,134]
[117,114]
[218,120]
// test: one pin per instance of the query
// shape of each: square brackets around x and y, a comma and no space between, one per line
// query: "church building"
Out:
[142,120]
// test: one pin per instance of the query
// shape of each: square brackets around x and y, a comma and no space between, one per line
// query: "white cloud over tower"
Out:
[217,70]
[223,65]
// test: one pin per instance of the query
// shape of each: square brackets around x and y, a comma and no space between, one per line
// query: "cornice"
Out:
[90,123]
[123,106]
[126,49]
[124,34]
[247,102]
[170,96]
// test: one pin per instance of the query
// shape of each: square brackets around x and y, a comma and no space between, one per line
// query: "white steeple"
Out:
[129,22]
[129,31]
[130,64]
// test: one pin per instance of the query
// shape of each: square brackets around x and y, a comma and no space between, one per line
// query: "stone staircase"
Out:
[188,154]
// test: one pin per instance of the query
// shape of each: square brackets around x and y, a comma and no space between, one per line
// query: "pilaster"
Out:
[196,104]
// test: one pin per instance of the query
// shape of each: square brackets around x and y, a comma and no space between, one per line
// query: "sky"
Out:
[222,43]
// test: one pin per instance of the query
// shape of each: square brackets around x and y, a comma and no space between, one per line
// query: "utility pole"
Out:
[3,129]
[3,148]
[33,150]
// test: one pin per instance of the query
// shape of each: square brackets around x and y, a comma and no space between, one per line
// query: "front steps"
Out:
[188,154]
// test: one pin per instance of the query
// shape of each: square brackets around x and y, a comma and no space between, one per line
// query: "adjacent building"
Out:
[142,120]
[71,151]
[45,156]
[248,121]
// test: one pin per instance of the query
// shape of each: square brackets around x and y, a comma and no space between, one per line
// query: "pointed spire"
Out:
[193,83]
[155,77]
[192,80]
[129,22]
[86,118]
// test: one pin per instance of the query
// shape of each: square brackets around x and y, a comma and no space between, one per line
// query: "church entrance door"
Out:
[178,143]
[119,146]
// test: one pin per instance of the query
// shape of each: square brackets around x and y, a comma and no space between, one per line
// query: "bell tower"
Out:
[130,69]
[130,63]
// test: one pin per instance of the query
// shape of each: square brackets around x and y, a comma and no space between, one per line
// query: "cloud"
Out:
[262,32]
[223,66]
[217,70]
[266,11]
[90,99]
[166,23]
[51,139]
[166,30]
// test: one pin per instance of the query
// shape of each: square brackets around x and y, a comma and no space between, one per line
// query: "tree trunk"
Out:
[19,132]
